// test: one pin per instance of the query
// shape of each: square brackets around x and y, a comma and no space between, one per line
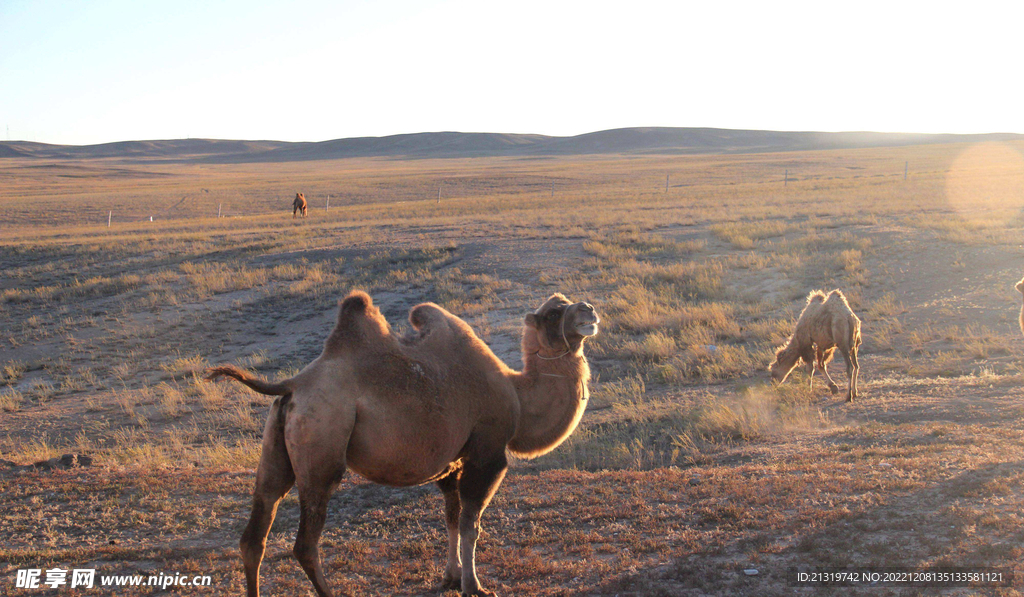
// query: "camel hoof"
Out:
[451,583]
[480,593]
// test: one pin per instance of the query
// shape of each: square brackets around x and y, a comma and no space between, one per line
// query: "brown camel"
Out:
[826,323]
[1020,289]
[299,205]
[435,406]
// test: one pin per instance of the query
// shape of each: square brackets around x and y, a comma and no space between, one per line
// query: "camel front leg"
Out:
[452,508]
[808,355]
[476,487]
[832,385]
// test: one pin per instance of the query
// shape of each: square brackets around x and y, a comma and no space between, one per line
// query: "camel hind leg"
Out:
[313,515]
[318,457]
[852,372]
[855,378]
[274,478]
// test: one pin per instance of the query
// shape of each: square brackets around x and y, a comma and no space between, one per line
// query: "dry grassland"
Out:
[688,467]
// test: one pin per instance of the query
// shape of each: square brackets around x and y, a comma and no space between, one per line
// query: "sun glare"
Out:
[986,181]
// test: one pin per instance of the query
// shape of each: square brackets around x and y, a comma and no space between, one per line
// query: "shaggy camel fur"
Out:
[435,406]
[299,205]
[1020,289]
[826,323]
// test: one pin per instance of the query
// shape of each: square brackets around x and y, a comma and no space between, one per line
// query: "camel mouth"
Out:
[588,328]
[583,319]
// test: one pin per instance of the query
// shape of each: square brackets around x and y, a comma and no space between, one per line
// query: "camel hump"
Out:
[836,297]
[816,296]
[438,331]
[355,303]
[358,321]
[426,315]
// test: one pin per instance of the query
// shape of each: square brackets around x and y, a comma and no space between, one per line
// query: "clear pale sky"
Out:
[92,71]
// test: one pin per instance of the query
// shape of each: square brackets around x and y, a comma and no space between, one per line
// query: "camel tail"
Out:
[261,386]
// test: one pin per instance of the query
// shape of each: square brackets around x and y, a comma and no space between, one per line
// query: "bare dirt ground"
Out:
[924,471]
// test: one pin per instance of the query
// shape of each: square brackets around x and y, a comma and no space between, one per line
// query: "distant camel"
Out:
[299,205]
[826,323]
[435,406]
[1020,289]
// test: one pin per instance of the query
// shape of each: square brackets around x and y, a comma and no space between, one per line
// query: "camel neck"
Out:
[552,397]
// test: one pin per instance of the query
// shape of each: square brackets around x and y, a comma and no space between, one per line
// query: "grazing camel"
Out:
[1020,289]
[435,406]
[826,323]
[299,205]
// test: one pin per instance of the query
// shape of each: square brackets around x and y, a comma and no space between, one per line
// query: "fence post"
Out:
[109,216]
[666,183]
[219,205]
[906,166]
[328,203]
[785,181]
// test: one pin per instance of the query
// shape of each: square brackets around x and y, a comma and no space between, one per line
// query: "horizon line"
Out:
[436,132]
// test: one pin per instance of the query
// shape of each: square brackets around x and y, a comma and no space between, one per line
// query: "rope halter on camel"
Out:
[568,347]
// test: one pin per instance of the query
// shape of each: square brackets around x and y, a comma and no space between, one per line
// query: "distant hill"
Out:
[647,140]
[175,148]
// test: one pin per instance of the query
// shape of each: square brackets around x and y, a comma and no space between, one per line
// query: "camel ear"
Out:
[531,320]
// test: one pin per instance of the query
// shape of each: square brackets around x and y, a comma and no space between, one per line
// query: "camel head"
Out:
[785,361]
[561,326]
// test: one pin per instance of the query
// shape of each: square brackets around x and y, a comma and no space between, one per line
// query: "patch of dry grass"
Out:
[644,433]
